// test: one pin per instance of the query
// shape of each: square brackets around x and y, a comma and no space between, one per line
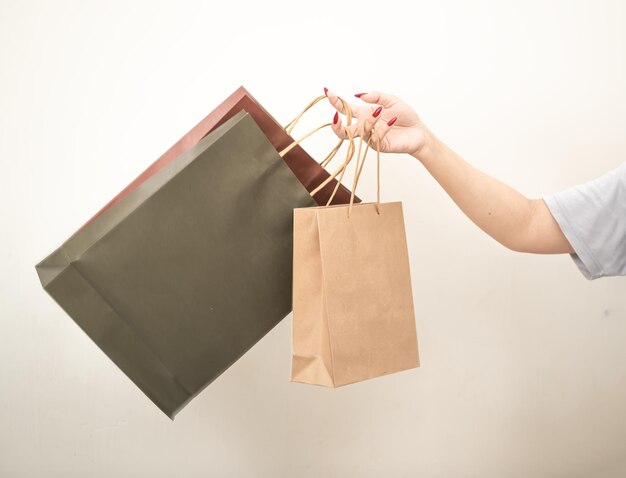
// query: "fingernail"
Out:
[392,121]
[358,95]
[336,118]
[326,91]
[377,112]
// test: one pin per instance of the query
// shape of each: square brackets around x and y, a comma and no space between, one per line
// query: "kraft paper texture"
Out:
[353,314]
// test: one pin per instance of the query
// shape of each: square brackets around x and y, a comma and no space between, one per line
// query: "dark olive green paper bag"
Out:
[187,272]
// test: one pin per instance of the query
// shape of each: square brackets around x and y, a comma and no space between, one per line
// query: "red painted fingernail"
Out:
[392,121]
[358,95]
[326,91]
[377,112]
[336,118]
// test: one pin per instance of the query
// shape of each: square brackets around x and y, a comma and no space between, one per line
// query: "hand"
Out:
[398,126]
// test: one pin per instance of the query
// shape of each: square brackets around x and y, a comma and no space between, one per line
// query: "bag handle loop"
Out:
[289,128]
[339,173]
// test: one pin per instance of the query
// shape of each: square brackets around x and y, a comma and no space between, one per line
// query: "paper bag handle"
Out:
[338,174]
[340,171]
[289,128]
[359,167]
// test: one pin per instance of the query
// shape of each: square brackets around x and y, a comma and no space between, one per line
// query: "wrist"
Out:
[430,148]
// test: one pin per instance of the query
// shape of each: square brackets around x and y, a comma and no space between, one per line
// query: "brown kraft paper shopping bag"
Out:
[353,314]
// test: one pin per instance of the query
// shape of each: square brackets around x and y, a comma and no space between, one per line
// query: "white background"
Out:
[523,360]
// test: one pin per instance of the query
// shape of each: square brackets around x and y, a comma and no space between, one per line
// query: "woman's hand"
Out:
[398,126]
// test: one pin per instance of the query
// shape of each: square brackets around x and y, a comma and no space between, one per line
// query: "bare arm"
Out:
[519,223]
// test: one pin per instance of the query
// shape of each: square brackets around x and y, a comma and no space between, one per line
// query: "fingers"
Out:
[333,99]
[342,131]
[357,110]
[367,124]
[379,134]
[378,98]
[337,128]
[365,127]
[373,122]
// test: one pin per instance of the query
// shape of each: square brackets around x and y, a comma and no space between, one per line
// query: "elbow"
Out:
[522,235]
[518,246]
[535,231]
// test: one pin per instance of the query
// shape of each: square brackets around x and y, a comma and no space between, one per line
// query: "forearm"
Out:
[509,217]
[499,210]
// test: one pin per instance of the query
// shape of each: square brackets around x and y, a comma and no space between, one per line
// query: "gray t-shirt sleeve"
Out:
[592,217]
